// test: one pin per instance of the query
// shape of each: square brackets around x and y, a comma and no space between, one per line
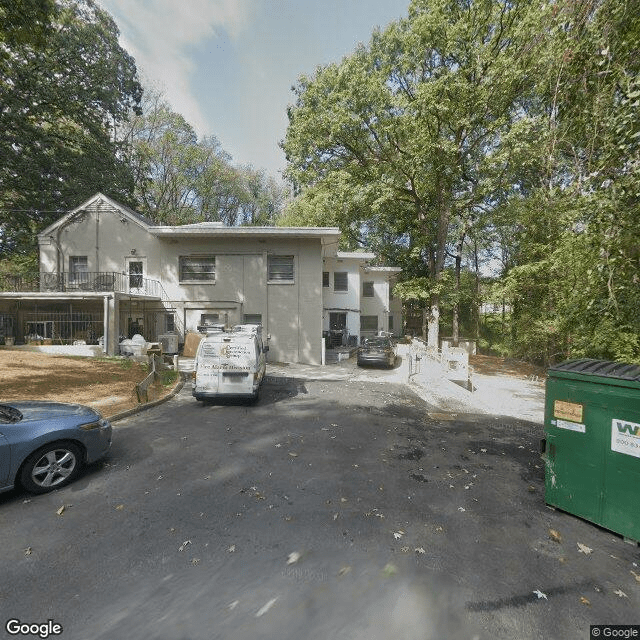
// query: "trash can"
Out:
[592,443]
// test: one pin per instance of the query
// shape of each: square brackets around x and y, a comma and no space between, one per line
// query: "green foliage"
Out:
[573,239]
[168,377]
[401,142]
[508,124]
[65,85]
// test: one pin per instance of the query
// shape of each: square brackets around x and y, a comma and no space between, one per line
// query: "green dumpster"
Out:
[592,448]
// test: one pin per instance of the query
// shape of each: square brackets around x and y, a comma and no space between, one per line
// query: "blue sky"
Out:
[228,65]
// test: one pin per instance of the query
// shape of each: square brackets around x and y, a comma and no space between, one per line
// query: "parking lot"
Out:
[346,508]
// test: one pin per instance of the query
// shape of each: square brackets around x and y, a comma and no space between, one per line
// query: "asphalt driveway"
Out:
[332,509]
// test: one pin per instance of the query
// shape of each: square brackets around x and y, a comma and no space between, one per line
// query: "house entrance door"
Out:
[337,321]
[337,329]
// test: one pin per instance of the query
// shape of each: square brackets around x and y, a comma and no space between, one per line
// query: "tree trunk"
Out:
[477,300]
[434,323]
[456,304]
[425,321]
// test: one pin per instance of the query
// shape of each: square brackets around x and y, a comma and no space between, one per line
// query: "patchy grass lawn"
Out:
[107,384]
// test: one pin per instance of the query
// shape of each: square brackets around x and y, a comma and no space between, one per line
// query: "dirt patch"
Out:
[107,384]
[493,365]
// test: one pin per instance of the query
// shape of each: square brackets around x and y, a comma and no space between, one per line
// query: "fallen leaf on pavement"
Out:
[461,509]
[419,550]
[195,561]
[636,576]
[620,593]
[555,535]
[585,601]
[292,454]
[398,534]
[27,551]
[119,507]
[184,544]
[232,548]
[390,569]
[232,605]
[343,571]
[584,549]
[293,557]
[266,607]
[540,594]
[60,511]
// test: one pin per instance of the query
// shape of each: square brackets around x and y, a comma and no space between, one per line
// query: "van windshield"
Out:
[238,355]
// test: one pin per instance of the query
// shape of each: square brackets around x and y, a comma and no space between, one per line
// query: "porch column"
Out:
[111,325]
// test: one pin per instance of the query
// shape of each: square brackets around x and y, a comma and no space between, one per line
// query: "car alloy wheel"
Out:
[51,467]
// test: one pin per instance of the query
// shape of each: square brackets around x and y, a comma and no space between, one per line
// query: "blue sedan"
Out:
[43,445]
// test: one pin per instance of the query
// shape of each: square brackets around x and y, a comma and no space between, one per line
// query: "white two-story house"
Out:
[357,298]
[107,273]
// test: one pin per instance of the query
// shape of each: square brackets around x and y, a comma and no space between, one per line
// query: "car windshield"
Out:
[377,342]
[9,414]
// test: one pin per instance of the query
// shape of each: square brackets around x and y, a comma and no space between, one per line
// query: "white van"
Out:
[230,364]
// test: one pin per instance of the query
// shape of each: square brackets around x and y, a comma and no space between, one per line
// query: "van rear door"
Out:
[225,366]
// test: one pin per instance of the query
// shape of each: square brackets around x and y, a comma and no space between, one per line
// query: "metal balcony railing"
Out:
[97,282]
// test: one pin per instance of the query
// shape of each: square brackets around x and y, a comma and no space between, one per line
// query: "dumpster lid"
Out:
[603,368]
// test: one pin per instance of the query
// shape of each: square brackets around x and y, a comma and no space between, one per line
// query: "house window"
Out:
[253,318]
[78,269]
[325,278]
[390,323]
[340,281]
[280,268]
[169,323]
[369,323]
[198,268]
[367,289]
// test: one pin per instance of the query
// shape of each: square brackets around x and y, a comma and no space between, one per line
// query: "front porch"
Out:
[80,308]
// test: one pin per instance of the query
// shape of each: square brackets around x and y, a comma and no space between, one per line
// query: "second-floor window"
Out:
[280,268]
[340,281]
[325,278]
[197,268]
[367,289]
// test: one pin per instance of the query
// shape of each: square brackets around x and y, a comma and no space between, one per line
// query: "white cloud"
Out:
[160,34]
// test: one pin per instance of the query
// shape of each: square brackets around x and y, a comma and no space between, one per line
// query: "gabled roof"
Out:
[125,211]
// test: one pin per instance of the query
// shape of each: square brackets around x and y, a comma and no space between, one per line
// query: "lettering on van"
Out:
[225,366]
[625,437]
[567,411]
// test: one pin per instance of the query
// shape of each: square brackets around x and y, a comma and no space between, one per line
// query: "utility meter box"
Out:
[592,444]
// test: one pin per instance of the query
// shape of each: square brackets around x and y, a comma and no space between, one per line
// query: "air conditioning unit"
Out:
[169,342]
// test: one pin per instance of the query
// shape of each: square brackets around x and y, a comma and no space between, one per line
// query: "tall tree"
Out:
[180,178]
[410,126]
[65,84]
